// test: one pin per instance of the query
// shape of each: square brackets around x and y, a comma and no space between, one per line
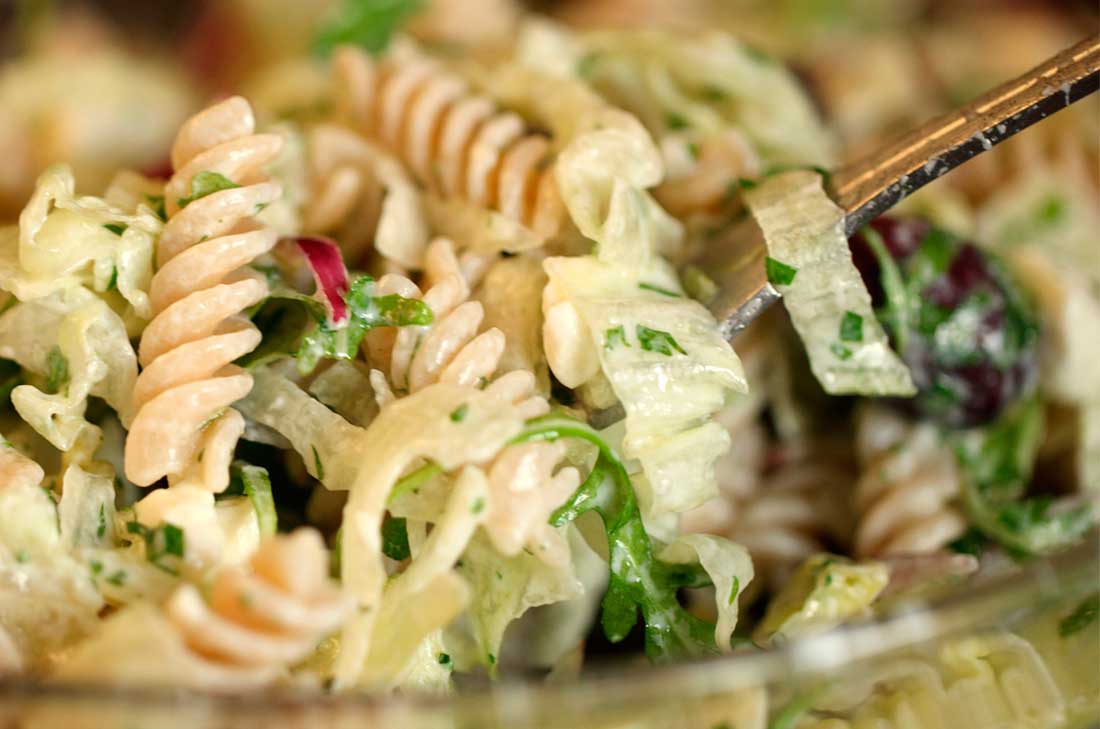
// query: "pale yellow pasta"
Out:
[184,428]
[456,143]
[904,495]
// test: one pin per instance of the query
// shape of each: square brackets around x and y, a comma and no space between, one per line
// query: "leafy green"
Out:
[164,545]
[638,580]
[366,23]
[395,538]
[296,324]
[254,482]
[1082,616]
[614,337]
[997,461]
[779,273]
[57,371]
[655,340]
[206,183]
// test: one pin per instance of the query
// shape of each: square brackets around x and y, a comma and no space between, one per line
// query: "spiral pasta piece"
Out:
[702,182]
[524,485]
[904,495]
[263,618]
[184,427]
[797,511]
[456,143]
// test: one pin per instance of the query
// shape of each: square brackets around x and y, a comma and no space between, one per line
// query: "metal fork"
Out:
[873,185]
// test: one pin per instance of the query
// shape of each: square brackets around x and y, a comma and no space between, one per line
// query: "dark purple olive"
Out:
[954,315]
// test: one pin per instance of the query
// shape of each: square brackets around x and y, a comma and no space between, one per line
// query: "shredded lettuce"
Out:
[666,362]
[804,231]
[825,591]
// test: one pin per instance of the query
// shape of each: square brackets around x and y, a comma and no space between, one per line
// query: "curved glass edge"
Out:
[991,655]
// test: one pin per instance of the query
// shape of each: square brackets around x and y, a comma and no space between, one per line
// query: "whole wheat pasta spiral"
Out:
[456,143]
[260,619]
[797,510]
[904,496]
[523,485]
[184,428]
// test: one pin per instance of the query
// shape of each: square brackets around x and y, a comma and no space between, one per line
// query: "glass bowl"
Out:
[1014,651]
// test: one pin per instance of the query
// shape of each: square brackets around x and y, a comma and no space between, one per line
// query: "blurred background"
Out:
[103,84]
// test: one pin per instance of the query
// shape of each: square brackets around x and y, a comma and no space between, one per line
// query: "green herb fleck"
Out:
[851,327]
[395,538]
[735,588]
[444,659]
[477,506]
[657,289]
[57,370]
[779,273]
[255,483]
[587,65]
[95,566]
[318,467]
[840,351]
[101,527]
[1082,616]
[157,203]
[693,150]
[1051,210]
[118,579]
[459,414]
[162,542]
[366,23]
[655,340]
[675,121]
[22,556]
[713,94]
[116,228]
[614,337]
[206,183]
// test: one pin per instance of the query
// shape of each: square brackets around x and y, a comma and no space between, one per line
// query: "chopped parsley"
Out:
[1051,210]
[101,527]
[318,467]
[1082,616]
[157,203]
[118,579]
[477,506]
[57,371]
[162,544]
[851,327]
[587,65]
[206,183]
[395,539]
[654,340]
[459,414]
[735,588]
[444,659]
[779,273]
[840,351]
[22,556]
[659,290]
[614,337]
[116,228]
[675,121]
[255,483]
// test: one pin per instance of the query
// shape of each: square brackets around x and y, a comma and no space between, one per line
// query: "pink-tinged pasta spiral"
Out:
[456,143]
[525,485]
[797,511]
[266,616]
[909,481]
[705,183]
[17,469]
[184,428]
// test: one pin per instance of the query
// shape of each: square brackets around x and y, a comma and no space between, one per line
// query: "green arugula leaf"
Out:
[638,581]
[997,462]
[366,23]
[206,183]
[255,483]
[296,324]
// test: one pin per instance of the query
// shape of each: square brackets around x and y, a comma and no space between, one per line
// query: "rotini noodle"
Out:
[909,479]
[184,428]
[456,143]
[262,619]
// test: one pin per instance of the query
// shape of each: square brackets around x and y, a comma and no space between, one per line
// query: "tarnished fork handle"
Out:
[874,184]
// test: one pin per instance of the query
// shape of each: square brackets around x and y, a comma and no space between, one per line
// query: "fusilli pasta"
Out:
[184,427]
[455,142]
[904,494]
